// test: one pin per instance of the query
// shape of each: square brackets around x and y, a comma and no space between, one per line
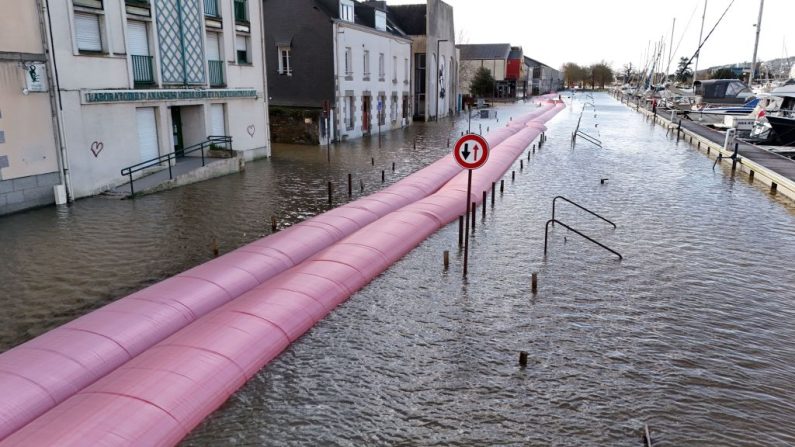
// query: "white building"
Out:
[141,78]
[372,69]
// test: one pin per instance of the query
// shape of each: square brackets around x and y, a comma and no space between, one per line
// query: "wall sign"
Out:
[35,77]
[100,96]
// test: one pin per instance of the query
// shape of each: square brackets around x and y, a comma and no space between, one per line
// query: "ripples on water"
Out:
[692,333]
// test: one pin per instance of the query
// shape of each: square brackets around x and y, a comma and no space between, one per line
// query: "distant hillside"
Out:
[777,68]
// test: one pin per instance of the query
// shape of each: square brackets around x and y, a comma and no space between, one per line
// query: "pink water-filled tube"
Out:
[148,368]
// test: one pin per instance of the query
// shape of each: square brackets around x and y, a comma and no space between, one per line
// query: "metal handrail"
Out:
[593,140]
[580,207]
[217,140]
[546,232]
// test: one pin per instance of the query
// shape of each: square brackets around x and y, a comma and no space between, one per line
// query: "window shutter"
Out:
[138,42]
[213,48]
[87,32]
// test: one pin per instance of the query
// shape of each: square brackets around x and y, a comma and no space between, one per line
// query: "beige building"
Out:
[132,80]
[29,162]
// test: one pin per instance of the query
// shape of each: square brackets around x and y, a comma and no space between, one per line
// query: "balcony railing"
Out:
[211,8]
[216,73]
[241,13]
[142,70]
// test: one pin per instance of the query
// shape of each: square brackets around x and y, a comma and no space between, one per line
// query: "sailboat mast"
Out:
[670,51]
[700,34]
[756,44]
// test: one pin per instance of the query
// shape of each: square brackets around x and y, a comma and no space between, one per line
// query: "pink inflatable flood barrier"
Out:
[167,389]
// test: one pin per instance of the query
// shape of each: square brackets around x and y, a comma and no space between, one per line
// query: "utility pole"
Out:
[756,44]
[700,34]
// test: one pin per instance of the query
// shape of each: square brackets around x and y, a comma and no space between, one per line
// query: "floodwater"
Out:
[691,333]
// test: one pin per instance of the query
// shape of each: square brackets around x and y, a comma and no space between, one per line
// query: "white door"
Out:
[213,48]
[217,127]
[147,133]
[137,39]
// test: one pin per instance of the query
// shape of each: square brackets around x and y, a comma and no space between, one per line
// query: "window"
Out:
[96,4]
[241,49]
[138,48]
[348,61]
[366,60]
[350,102]
[241,11]
[284,61]
[87,32]
[381,67]
[346,10]
[394,69]
[380,20]
[215,62]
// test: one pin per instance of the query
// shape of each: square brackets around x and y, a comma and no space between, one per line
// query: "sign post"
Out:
[471,152]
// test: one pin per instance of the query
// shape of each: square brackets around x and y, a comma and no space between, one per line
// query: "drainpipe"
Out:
[266,98]
[56,103]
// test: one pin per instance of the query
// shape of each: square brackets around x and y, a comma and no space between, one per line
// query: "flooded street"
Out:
[691,333]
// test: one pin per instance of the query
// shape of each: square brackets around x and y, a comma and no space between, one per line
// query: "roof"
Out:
[363,14]
[485,51]
[530,62]
[411,18]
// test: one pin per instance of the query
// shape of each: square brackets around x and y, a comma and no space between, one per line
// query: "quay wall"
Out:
[160,395]
[43,372]
[756,173]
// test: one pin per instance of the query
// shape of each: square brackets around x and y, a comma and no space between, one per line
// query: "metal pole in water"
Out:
[446,259]
[466,232]
[350,185]
[329,193]
[474,214]
[483,204]
[493,187]
[522,359]
[383,176]
[502,185]
[534,282]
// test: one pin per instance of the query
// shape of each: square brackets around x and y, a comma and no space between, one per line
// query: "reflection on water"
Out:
[692,333]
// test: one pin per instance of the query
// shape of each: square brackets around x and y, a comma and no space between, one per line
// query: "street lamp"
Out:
[438,59]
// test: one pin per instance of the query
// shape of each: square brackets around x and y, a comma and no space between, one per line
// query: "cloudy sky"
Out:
[620,31]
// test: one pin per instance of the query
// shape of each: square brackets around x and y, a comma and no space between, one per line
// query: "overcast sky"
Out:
[619,31]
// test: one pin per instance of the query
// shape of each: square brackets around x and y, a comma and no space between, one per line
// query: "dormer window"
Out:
[380,20]
[346,10]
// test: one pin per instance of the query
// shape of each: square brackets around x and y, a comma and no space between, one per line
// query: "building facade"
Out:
[338,69]
[138,79]
[29,157]
[494,57]
[434,58]
[542,78]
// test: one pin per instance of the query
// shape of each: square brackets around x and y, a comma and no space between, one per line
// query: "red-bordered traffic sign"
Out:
[471,151]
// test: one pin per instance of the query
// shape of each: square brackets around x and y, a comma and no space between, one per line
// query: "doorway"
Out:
[365,114]
[176,130]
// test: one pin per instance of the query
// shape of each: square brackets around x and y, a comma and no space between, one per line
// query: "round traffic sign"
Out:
[471,151]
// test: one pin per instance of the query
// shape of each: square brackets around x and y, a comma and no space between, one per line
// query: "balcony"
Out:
[211,8]
[241,11]
[216,73]
[143,75]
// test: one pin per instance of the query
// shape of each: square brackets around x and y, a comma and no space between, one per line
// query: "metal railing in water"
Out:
[219,141]
[554,221]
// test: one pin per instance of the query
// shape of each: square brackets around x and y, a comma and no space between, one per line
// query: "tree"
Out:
[483,83]
[574,75]
[723,73]
[683,72]
[601,74]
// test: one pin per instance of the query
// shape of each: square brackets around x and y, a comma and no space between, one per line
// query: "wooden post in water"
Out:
[215,248]
[474,213]
[446,259]
[393,166]
[513,175]
[521,165]
[372,161]
[493,187]
[483,204]
[273,224]
[534,148]
[383,176]
[534,283]
[460,231]
[350,185]
[502,185]
[522,359]
[329,193]
[361,185]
